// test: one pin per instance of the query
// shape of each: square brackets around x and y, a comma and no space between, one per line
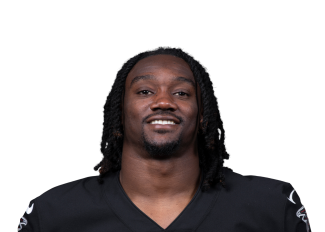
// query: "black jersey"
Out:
[246,204]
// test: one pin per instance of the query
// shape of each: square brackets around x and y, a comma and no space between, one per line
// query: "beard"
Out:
[161,151]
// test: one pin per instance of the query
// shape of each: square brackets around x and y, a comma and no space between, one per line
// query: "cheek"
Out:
[190,113]
[134,110]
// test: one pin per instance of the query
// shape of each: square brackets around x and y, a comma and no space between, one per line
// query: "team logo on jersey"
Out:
[23,222]
[301,213]
[29,209]
[290,197]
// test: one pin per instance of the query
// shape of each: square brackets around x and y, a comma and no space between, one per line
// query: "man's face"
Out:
[160,108]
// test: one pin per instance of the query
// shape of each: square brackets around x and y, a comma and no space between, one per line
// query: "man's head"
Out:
[165,83]
[160,89]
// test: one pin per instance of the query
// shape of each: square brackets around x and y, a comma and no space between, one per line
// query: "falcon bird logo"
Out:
[301,213]
[23,222]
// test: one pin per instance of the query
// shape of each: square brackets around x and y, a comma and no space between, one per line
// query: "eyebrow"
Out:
[151,77]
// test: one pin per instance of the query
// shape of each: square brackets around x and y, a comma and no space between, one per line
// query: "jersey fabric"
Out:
[246,204]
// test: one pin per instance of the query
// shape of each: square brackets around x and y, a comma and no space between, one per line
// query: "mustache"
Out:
[163,113]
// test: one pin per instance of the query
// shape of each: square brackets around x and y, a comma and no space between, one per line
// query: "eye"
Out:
[181,94]
[144,92]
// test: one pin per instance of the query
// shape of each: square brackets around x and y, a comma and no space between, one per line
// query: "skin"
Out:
[160,187]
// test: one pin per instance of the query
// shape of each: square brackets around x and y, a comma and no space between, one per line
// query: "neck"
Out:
[159,179]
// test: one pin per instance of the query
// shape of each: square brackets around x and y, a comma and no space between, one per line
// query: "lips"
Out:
[163,118]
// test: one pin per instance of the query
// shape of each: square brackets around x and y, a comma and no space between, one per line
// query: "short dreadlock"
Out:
[211,134]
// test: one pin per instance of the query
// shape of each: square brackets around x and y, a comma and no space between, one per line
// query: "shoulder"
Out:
[59,201]
[75,189]
[70,197]
[72,201]
[260,201]
[257,191]
[251,183]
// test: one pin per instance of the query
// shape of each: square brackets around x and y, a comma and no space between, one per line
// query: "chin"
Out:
[161,150]
[161,131]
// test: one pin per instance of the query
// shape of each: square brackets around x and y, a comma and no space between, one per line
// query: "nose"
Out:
[163,101]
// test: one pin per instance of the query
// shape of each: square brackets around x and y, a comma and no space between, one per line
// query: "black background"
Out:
[64,70]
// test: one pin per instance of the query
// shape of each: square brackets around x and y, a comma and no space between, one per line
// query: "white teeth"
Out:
[163,122]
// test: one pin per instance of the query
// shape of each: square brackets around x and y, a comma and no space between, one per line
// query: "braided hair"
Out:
[211,134]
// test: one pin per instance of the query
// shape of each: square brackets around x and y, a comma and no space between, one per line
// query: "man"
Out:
[162,170]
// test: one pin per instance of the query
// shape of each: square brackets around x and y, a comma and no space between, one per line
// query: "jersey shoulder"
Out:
[54,206]
[70,198]
[252,183]
[267,199]
[259,194]
[76,205]
[78,189]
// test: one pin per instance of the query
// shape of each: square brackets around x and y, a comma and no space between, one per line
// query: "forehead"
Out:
[161,64]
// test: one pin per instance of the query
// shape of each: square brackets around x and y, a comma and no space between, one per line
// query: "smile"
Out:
[163,122]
